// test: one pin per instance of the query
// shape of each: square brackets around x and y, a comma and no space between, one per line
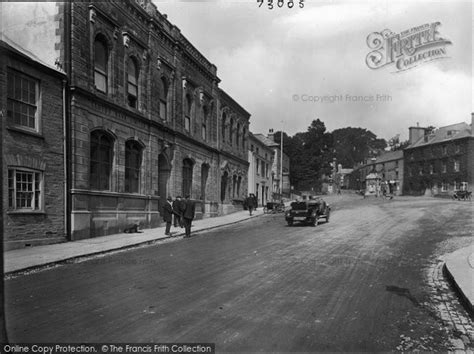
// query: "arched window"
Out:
[237,139]
[224,185]
[132,83]
[224,122]
[187,113]
[163,99]
[133,162]
[239,182]
[243,138]
[100,63]
[205,114]
[204,177]
[101,153]
[234,185]
[231,128]
[187,177]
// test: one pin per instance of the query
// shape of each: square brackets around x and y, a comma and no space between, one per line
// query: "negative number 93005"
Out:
[271,4]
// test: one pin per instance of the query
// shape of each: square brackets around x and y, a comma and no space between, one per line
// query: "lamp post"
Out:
[281,160]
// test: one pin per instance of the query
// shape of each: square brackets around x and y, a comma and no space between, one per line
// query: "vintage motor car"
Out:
[308,212]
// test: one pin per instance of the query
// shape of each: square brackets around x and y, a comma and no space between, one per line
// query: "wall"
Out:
[41,151]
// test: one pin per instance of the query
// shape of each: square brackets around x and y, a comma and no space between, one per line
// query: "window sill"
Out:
[25,131]
[26,212]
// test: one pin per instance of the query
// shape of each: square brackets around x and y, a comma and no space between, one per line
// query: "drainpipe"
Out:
[66,163]
[67,38]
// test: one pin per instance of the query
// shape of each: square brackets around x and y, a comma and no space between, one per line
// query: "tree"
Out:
[354,145]
[310,155]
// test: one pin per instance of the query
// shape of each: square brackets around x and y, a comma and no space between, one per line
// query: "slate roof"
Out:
[14,47]
[389,156]
[265,140]
[444,134]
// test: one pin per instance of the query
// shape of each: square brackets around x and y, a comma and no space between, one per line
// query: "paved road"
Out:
[354,284]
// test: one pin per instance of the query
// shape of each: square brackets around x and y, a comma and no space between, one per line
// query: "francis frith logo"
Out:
[406,49]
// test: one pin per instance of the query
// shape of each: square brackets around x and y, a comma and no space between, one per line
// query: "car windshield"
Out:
[299,206]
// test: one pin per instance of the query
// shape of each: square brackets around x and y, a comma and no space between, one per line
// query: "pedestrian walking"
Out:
[188,215]
[255,201]
[168,214]
[250,203]
[178,212]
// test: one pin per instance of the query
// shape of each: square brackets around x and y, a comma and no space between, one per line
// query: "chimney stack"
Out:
[472,124]
[416,133]
[271,134]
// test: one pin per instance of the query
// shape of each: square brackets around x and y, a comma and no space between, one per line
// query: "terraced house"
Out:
[33,150]
[146,119]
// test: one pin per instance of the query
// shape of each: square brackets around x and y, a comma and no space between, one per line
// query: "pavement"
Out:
[459,265]
[459,268]
[25,259]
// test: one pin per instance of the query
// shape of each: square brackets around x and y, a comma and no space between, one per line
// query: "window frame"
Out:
[205,113]
[95,182]
[97,70]
[223,128]
[231,133]
[456,165]
[187,112]
[136,77]
[187,177]
[12,100]
[444,167]
[163,99]
[133,147]
[37,182]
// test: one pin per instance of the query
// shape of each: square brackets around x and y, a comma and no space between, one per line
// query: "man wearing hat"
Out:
[168,214]
[178,208]
[188,215]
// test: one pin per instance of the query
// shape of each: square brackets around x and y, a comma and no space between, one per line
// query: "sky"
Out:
[287,67]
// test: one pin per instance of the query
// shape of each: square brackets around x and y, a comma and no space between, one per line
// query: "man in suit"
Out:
[178,212]
[168,214]
[188,215]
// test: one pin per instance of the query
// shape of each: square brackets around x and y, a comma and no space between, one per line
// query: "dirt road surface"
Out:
[357,283]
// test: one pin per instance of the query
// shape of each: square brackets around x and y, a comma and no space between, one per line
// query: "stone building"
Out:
[33,150]
[233,166]
[439,162]
[146,117]
[280,169]
[388,167]
[260,175]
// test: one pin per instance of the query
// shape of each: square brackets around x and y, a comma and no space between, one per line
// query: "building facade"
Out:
[260,175]
[280,169]
[33,150]
[146,113]
[439,162]
[233,126]
[146,118]
[389,169]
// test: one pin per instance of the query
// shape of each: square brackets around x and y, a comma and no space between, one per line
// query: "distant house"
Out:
[260,168]
[342,177]
[441,161]
[280,173]
[389,168]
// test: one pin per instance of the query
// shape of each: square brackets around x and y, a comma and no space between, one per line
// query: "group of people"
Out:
[181,212]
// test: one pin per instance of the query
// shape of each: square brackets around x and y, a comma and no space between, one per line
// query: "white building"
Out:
[261,157]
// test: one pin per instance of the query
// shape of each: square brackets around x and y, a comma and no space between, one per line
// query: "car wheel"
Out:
[327,218]
[290,223]
[314,222]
